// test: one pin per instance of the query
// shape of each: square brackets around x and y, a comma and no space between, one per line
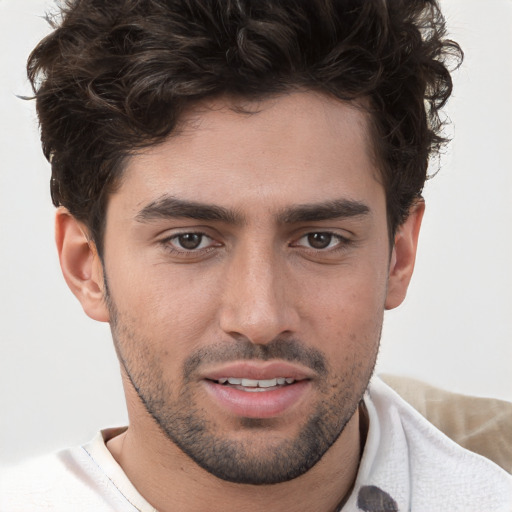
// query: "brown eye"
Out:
[190,241]
[320,240]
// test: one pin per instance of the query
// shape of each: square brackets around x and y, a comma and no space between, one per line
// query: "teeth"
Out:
[267,383]
[252,383]
[249,383]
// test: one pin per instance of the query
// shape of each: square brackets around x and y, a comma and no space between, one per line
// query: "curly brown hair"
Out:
[116,76]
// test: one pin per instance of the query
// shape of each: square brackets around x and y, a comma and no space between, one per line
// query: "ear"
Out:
[80,264]
[403,256]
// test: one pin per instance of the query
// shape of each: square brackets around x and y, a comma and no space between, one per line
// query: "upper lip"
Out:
[257,370]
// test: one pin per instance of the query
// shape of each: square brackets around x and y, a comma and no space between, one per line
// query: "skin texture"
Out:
[246,240]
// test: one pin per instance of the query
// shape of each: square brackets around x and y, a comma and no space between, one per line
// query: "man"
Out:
[239,192]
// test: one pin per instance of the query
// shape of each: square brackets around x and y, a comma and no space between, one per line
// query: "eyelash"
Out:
[167,244]
[341,242]
[341,245]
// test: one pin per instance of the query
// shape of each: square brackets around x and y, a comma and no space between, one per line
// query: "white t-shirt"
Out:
[407,464]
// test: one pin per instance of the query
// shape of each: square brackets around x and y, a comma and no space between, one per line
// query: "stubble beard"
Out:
[247,461]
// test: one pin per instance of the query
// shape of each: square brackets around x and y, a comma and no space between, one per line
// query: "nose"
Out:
[257,301]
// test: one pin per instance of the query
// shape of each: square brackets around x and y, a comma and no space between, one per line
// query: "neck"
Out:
[170,480]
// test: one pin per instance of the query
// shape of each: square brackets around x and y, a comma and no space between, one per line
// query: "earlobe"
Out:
[80,264]
[403,256]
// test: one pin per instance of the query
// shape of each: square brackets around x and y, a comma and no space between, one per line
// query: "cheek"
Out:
[348,313]
[164,304]
[356,290]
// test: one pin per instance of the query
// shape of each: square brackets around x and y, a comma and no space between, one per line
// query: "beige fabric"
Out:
[482,425]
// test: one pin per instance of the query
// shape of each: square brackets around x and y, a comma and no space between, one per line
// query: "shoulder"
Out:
[64,481]
[413,460]
[482,425]
[38,483]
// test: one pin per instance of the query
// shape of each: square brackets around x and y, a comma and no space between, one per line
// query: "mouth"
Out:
[255,385]
[259,390]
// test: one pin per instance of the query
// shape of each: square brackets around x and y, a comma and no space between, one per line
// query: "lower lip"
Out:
[257,404]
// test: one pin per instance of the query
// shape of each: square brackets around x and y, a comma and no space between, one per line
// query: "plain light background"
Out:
[59,377]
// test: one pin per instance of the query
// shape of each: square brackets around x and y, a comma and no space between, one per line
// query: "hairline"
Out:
[237,103]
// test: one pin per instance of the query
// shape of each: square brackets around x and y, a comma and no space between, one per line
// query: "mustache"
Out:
[290,350]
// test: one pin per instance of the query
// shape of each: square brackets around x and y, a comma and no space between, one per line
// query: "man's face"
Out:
[247,263]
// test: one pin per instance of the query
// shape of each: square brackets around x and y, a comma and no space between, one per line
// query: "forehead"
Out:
[296,148]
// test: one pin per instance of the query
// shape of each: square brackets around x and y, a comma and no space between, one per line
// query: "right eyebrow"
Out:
[328,210]
[169,207]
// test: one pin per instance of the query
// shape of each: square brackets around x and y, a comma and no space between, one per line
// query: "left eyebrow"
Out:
[329,210]
[168,207]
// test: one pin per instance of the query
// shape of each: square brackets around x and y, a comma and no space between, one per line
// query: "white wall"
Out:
[455,329]
[59,379]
